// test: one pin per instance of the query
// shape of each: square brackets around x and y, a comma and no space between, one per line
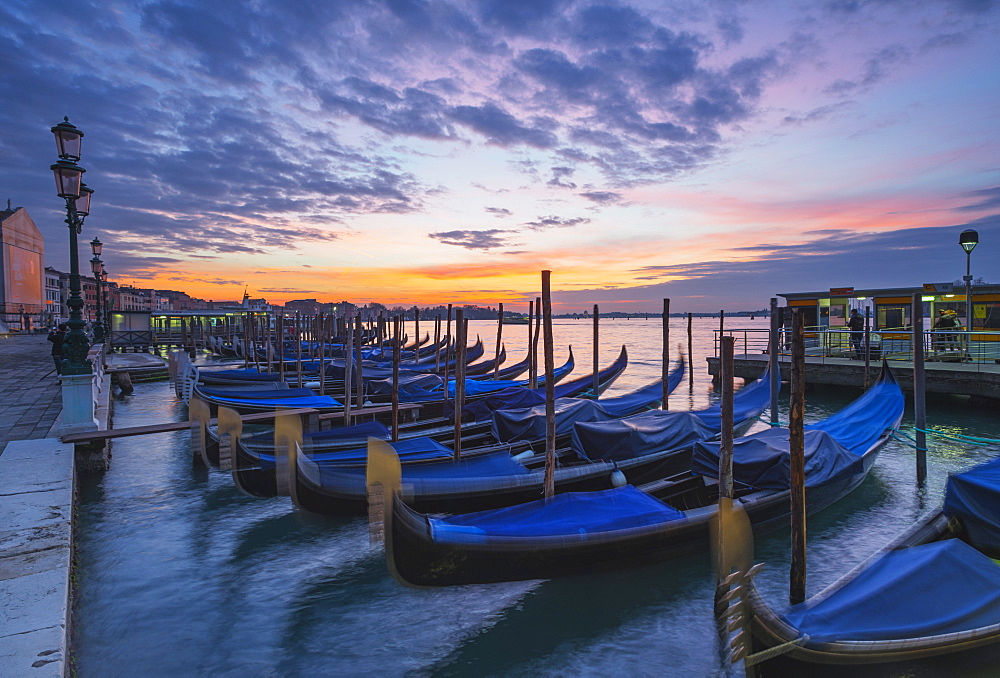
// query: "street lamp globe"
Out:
[68,140]
[83,202]
[95,267]
[96,246]
[69,178]
[968,240]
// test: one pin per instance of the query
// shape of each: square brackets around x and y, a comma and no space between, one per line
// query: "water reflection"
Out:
[180,574]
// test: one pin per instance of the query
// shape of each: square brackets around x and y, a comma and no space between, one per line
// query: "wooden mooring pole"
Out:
[548,347]
[496,356]
[919,388]
[396,332]
[690,352]
[773,347]
[665,367]
[597,343]
[726,441]
[796,450]
[460,328]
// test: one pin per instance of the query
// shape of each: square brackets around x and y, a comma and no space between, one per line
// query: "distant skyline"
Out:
[416,153]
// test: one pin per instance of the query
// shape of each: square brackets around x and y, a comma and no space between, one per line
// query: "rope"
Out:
[770,423]
[907,442]
[971,440]
[769,653]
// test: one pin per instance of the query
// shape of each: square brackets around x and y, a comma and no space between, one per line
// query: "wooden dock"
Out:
[979,380]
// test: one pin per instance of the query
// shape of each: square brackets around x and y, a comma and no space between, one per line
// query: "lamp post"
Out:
[968,240]
[107,303]
[77,195]
[96,266]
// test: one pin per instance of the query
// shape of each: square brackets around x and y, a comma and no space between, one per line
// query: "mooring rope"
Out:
[896,433]
[958,436]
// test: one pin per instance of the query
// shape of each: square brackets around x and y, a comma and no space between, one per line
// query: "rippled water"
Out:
[180,574]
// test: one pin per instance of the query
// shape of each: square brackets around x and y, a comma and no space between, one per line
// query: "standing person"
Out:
[856,324]
[943,322]
[57,336]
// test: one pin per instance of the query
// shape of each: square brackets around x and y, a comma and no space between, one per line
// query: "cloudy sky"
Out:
[715,152]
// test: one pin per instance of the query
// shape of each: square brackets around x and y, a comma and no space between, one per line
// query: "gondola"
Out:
[512,476]
[253,467]
[582,532]
[928,603]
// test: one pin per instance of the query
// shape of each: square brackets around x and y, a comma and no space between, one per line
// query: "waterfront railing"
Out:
[978,349]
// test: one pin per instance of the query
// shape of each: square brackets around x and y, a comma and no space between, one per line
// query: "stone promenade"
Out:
[30,399]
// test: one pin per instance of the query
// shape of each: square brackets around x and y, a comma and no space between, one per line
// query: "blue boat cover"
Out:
[639,435]
[761,460]
[974,498]
[485,466]
[656,431]
[482,408]
[258,395]
[304,402]
[564,515]
[409,382]
[863,422]
[832,446]
[510,425]
[410,449]
[362,431]
[238,375]
[927,590]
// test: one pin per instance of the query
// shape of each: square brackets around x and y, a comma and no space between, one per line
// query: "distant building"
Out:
[22,278]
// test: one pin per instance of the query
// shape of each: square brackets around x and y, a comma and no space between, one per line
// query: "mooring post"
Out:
[726,441]
[548,348]
[496,356]
[796,450]
[665,367]
[396,331]
[597,337]
[690,353]
[460,328]
[437,340]
[534,341]
[359,381]
[773,346]
[919,388]
[531,334]
[416,331]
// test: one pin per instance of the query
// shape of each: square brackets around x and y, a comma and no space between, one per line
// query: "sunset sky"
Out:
[406,152]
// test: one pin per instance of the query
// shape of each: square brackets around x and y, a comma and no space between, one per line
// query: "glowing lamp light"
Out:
[968,240]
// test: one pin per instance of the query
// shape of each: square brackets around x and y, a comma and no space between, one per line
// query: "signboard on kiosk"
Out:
[940,288]
[841,291]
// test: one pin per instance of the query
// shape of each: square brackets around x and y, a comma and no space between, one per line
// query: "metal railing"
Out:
[978,349]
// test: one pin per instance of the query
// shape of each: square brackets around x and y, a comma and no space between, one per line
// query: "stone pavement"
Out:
[30,398]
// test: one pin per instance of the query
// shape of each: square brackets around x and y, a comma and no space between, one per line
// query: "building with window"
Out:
[22,280]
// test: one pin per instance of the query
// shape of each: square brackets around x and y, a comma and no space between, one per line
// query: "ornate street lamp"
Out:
[70,187]
[968,240]
[95,268]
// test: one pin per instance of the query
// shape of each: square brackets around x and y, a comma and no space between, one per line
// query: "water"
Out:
[179,574]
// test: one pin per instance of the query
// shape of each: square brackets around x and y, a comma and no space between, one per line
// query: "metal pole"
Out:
[919,388]
[797,473]
[968,305]
[773,344]
[868,350]
[665,358]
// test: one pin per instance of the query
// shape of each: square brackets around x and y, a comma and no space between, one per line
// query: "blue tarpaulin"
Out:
[927,590]
[485,466]
[510,425]
[569,514]
[258,395]
[974,498]
[761,460]
[657,430]
[309,401]
[639,435]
